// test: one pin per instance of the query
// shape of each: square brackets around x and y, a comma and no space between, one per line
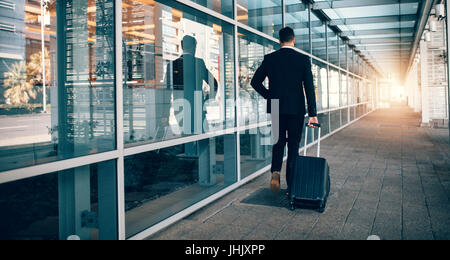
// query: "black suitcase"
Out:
[310,180]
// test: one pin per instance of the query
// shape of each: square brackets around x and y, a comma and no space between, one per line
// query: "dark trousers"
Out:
[292,125]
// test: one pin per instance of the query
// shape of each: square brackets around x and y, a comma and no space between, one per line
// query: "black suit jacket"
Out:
[288,72]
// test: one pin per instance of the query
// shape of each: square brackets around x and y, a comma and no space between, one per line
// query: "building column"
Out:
[447,23]
[424,81]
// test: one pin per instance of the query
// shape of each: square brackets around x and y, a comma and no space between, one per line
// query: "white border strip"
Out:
[154,146]
[120,169]
[41,169]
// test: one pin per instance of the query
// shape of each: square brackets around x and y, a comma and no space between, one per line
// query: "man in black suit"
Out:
[289,72]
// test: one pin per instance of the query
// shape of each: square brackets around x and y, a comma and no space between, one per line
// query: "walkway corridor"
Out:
[389,177]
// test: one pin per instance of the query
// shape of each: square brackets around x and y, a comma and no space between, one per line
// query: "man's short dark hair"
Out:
[286,34]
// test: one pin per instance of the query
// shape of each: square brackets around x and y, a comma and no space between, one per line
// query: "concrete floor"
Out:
[389,177]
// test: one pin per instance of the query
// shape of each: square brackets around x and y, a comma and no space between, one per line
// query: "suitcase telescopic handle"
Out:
[306,138]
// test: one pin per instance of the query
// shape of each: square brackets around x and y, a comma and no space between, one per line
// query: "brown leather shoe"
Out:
[275,182]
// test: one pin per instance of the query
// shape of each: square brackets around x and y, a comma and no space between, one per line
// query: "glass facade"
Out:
[297,17]
[163,182]
[252,106]
[255,149]
[178,70]
[333,92]
[318,37]
[58,93]
[332,47]
[320,74]
[81,201]
[263,15]
[116,115]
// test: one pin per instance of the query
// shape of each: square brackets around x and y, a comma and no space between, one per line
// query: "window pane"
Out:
[80,201]
[350,59]
[334,88]
[343,89]
[352,113]
[318,37]
[319,71]
[351,91]
[333,48]
[370,89]
[324,123]
[342,54]
[178,70]
[344,116]
[263,15]
[256,149]
[159,184]
[224,7]
[252,48]
[62,105]
[297,19]
[357,91]
[335,120]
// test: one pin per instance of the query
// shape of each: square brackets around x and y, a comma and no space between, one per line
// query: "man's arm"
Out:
[258,79]
[208,77]
[216,84]
[310,95]
[308,83]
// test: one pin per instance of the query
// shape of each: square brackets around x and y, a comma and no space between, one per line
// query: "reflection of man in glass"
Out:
[188,73]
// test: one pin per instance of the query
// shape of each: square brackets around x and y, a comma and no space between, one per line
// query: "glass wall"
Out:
[333,57]
[263,15]
[255,149]
[350,59]
[320,74]
[80,202]
[57,95]
[297,17]
[175,139]
[162,182]
[224,7]
[351,90]
[318,37]
[252,48]
[342,55]
[178,67]
[333,93]
[343,91]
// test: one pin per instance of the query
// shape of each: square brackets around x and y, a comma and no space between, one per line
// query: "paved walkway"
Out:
[389,177]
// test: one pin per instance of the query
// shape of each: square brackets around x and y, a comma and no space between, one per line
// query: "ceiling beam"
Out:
[385,47]
[370,45]
[375,19]
[378,32]
[381,40]
[423,15]
[261,12]
[357,3]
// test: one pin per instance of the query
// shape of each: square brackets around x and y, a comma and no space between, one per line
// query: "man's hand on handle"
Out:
[313,120]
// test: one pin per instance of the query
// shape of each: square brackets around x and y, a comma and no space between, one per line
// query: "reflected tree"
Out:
[19,88]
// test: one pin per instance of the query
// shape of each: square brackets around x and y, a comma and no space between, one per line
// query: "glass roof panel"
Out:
[359,11]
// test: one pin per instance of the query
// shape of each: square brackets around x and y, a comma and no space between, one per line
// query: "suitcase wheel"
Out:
[292,205]
[322,206]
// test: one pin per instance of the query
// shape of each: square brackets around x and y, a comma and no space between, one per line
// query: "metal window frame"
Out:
[8,5]
[121,151]
[7,27]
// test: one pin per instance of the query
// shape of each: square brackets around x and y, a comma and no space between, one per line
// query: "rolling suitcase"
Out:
[310,180]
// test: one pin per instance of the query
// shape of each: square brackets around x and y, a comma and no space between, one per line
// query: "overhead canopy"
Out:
[383,31]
